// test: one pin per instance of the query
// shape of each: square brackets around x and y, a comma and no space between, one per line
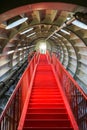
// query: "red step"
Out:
[47,116]
[46,108]
[48,105]
[46,100]
[40,96]
[47,123]
[47,128]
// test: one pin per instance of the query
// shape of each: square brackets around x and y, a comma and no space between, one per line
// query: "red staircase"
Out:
[46,108]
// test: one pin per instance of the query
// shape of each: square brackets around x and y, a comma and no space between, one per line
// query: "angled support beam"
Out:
[62,26]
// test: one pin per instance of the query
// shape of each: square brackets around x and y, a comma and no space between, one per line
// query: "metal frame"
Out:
[10,116]
[75,95]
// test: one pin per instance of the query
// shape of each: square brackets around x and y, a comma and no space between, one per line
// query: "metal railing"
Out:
[10,116]
[75,95]
[77,99]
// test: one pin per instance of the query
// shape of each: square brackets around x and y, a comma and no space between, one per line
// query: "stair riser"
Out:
[40,128]
[40,96]
[46,105]
[45,90]
[46,93]
[47,123]
[45,101]
[44,85]
[61,110]
[46,116]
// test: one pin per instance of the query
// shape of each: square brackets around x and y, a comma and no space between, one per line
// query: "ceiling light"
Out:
[58,35]
[68,18]
[16,23]
[26,31]
[24,47]
[10,52]
[54,36]
[79,24]
[31,34]
[30,46]
[65,31]
[20,49]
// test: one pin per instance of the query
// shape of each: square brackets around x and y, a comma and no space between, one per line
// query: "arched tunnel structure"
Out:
[61,25]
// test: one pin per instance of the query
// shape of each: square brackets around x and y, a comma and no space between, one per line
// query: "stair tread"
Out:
[48,103]
[48,99]
[48,120]
[48,128]
[50,110]
[48,113]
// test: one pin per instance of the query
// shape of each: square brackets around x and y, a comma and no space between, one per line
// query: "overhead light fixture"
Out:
[58,35]
[26,31]
[30,46]
[68,18]
[65,31]
[55,37]
[20,49]
[10,52]
[31,34]
[16,23]
[24,48]
[79,24]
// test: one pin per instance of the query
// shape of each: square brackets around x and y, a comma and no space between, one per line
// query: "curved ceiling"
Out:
[10,4]
[44,18]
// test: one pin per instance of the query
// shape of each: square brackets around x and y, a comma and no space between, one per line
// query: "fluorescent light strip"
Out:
[58,35]
[31,34]
[20,49]
[10,52]
[79,24]
[24,47]
[54,36]
[65,31]
[26,31]
[16,23]
[30,46]
[68,18]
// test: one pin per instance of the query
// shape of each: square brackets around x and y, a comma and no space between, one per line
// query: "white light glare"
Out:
[10,52]
[68,18]
[42,48]
[16,23]
[58,35]
[65,31]
[20,49]
[26,31]
[31,34]
[54,36]
[79,24]
[24,47]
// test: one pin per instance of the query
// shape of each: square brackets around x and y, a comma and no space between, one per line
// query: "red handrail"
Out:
[75,96]
[62,69]
[15,103]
